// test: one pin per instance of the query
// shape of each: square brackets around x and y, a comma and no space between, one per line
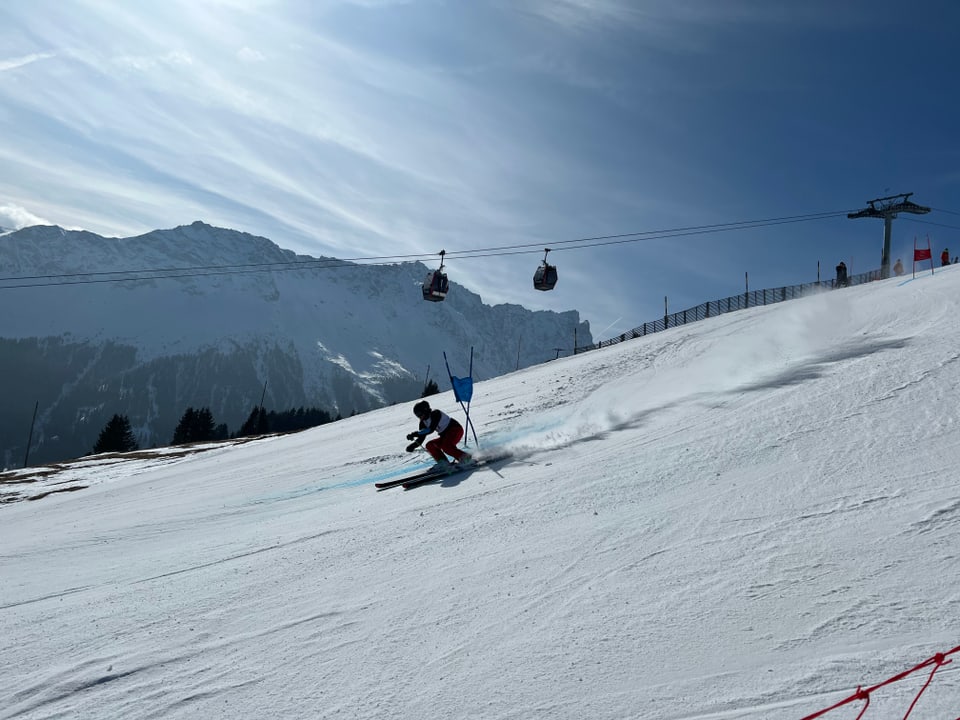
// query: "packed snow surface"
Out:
[745,517]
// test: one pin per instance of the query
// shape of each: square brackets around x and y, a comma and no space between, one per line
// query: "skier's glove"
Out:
[412,446]
[412,436]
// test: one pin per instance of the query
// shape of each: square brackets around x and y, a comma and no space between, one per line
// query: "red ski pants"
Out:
[446,443]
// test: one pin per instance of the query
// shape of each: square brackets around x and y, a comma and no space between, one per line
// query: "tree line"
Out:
[198,425]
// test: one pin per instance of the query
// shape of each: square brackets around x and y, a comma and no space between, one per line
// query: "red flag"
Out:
[919,254]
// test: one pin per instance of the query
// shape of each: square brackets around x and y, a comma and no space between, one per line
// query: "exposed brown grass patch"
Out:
[49,472]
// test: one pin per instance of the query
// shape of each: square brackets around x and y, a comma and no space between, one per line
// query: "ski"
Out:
[421,478]
[400,481]
[416,482]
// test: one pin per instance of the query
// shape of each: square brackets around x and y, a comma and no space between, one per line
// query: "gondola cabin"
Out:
[545,278]
[435,287]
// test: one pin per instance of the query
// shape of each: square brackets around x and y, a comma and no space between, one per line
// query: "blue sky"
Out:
[373,128]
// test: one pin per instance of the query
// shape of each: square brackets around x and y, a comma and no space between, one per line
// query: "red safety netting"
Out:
[937,661]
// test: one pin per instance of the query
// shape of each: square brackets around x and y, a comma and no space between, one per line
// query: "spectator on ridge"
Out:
[842,274]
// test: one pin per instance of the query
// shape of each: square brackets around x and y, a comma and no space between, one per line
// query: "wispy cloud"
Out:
[13,63]
[388,127]
[583,14]
[146,63]
[15,217]
[250,55]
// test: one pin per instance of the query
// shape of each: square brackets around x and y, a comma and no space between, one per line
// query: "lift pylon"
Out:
[888,208]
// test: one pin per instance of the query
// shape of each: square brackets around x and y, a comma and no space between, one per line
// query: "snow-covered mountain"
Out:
[209,317]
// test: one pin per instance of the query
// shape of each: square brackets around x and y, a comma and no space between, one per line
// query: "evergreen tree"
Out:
[184,428]
[431,388]
[292,420]
[194,426]
[256,423]
[116,436]
[205,425]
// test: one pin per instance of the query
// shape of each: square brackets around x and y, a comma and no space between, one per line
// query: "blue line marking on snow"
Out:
[365,480]
[388,475]
[494,444]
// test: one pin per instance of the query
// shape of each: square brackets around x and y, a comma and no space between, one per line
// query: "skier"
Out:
[449,431]
[842,280]
[898,268]
[945,258]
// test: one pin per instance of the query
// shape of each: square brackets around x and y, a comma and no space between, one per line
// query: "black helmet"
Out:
[421,409]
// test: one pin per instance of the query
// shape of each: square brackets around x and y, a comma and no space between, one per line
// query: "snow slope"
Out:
[746,517]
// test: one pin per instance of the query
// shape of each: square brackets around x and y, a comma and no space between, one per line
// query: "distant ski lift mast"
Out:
[887,208]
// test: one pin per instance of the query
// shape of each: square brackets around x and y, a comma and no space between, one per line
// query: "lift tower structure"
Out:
[887,208]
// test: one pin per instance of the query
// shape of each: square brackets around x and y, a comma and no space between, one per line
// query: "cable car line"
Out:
[656,234]
[95,277]
[253,268]
[320,263]
[927,222]
[261,267]
[628,238]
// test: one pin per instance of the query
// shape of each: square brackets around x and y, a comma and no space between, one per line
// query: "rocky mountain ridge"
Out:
[210,317]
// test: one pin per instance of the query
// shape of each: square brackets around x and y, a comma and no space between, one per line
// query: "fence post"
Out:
[746,292]
[666,321]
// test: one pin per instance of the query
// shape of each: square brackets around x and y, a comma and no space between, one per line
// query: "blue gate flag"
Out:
[462,388]
[463,392]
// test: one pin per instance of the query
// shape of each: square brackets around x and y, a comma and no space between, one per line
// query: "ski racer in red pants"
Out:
[449,433]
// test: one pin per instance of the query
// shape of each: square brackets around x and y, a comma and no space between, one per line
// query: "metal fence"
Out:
[712,308]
